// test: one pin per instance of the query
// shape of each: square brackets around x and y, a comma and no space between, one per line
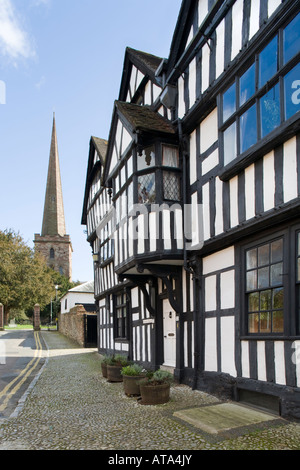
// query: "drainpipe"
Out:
[188,269]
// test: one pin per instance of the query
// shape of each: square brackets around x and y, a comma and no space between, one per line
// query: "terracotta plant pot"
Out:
[114,373]
[155,394]
[131,384]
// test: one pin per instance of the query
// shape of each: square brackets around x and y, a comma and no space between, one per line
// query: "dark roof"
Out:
[146,63]
[101,147]
[143,118]
[151,62]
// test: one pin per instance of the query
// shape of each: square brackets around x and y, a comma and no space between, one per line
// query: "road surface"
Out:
[22,355]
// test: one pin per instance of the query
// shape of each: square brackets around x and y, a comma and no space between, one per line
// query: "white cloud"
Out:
[14,40]
[41,82]
[38,3]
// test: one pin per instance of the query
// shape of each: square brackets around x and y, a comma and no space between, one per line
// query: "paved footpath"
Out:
[71,406]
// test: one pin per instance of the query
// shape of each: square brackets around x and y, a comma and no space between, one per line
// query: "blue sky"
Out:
[64,56]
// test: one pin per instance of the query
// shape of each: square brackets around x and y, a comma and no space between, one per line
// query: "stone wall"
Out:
[72,324]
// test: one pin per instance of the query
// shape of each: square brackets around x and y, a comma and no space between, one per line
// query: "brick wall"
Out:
[72,324]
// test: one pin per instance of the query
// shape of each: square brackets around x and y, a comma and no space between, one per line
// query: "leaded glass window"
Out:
[264,287]
[171,185]
[146,159]
[121,316]
[146,188]
[170,156]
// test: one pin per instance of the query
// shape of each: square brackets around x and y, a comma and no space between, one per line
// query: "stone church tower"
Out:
[53,243]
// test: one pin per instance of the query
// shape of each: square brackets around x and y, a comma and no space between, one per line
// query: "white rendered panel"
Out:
[211,345]
[181,103]
[193,157]
[250,191]
[261,361]
[210,293]
[269,181]
[228,345]
[206,211]
[290,186]
[220,48]
[279,362]
[205,67]
[245,359]
[227,289]
[218,261]
[192,82]
[202,10]
[210,162]
[234,212]
[209,131]
[237,23]
[273,5]
[254,18]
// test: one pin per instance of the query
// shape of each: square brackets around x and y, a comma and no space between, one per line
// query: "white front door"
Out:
[169,317]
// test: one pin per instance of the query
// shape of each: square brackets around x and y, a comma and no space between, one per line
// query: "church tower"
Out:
[53,243]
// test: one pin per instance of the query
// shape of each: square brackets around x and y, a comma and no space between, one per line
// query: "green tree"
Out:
[25,279]
[63,284]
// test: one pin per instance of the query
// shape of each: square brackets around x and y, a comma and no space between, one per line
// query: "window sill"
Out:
[269,337]
[280,135]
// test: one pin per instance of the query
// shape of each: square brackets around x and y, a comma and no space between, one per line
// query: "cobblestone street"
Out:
[71,406]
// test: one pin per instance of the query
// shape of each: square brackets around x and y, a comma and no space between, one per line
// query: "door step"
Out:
[167,368]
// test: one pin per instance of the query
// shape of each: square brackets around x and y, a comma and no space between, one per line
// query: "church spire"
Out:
[54,218]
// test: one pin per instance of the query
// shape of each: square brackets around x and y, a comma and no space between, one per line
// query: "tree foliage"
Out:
[25,279]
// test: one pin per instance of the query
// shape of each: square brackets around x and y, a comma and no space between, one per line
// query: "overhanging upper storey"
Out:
[144,173]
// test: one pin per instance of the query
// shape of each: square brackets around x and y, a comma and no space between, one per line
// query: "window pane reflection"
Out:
[270,111]
[230,150]
[146,188]
[251,259]
[247,85]
[229,102]
[248,129]
[146,159]
[291,39]
[292,92]
[268,60]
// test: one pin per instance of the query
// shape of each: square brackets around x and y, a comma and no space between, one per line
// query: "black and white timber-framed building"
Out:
[192,205]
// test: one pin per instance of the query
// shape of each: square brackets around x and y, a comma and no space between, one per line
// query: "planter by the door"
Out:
[104,369]
[131,384]
[114,373]
[155,394]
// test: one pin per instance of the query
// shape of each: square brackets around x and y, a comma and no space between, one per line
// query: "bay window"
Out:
[264,96]
[154,178]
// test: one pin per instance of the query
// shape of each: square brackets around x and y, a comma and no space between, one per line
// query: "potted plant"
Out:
[132,374]
[155,387]
[114,367]
[104,362]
